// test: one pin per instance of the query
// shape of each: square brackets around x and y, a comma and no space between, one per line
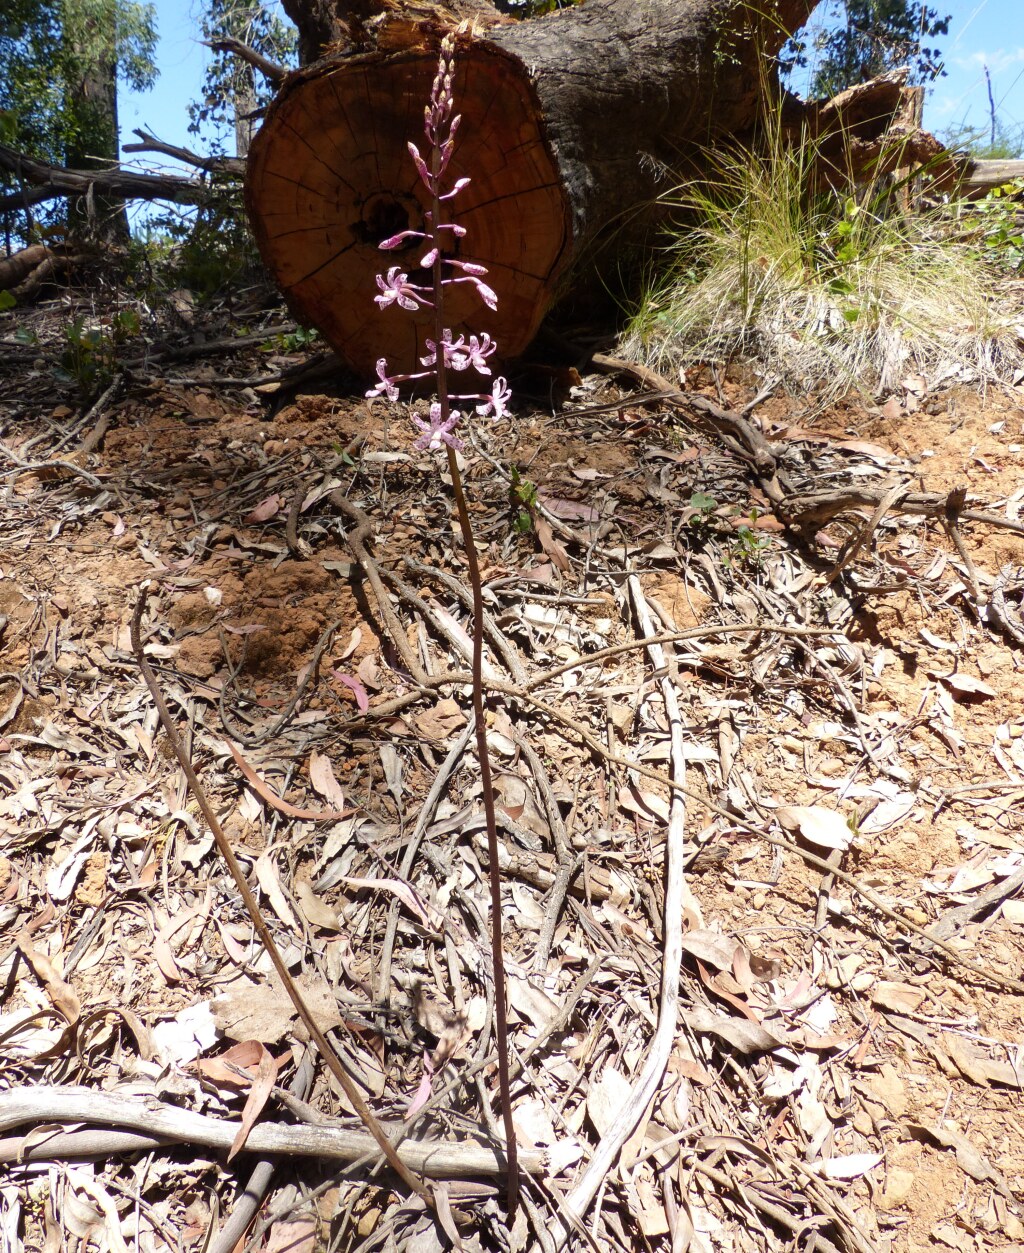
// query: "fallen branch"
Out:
[232,167]
[52,182]
[144,1123]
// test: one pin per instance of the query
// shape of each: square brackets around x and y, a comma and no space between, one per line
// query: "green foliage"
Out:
[522,499]
[232,88]
[996,223]
[47,48]
[985,143]
[299,340]
[207,251]
[748,548]
[90,354]
[7,301]
[59,64]
[861,39]
[702,509]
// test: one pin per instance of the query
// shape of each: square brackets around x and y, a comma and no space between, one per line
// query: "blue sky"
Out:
[982,32]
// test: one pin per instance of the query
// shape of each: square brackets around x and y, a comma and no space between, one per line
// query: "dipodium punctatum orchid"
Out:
[395,288]
[444,354]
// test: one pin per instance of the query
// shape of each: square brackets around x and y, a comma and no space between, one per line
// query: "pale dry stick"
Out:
[356,540]
[324,1047]
[499,641]
[645,1087]
[248,1204]
[568,862]
[155,1120]
[25,467]
[673,637]
[458,643]
[409,856]
[980,601]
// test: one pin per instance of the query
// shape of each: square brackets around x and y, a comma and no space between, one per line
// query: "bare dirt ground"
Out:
[847,1064]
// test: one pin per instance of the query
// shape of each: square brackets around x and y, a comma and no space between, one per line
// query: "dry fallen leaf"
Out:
[824,827]
[314,909]
[62,994]
[848,1166]
[745,1036]
[439,722]
[260,1011]
[269,880]
[263,1081]
[321,775]
[967,685]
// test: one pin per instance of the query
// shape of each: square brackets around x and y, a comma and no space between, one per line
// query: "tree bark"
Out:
[93,102]
[574,123]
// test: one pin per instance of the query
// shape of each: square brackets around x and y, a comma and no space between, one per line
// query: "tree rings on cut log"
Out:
[330,176]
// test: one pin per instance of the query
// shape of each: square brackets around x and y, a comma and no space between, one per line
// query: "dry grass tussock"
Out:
[829,293]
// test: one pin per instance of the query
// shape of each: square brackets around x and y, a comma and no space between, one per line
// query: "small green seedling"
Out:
[522,499]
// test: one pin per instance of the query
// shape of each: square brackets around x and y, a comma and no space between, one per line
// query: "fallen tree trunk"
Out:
[574,124]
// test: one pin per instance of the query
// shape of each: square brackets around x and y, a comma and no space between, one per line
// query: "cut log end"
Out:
[330,176]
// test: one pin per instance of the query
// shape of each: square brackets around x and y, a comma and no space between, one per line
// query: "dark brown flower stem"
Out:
[493,872]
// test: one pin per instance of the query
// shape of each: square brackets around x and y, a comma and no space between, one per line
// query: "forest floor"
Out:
[848,1059]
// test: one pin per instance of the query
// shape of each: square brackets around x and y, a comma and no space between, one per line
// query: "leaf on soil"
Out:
[823,827]
[223,1069]
[439,722]
[966,685]
[315,909]
[848,1166]
[355,687]
[93,1218]
[529,1001]
[746,1037]
[450,1026]
[181,1039]
[406,893]
[970,1161]
[262,1085]
[260,1011]
[900,998]
[712,947]
[533,1121]
[270,881]
[551,546]
[520,803]
[265,510]
[61,878]
[298,1235]
[649,1209]
[977,1067]
[568,510]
